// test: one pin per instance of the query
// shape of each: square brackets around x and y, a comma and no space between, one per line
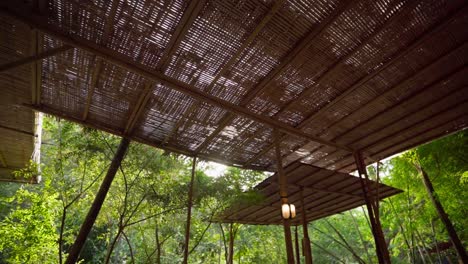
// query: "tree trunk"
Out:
[231,244]
[158,245]
[189,213]
[97,203]
[461,252]
[372,208]
[436,243]
[112,246]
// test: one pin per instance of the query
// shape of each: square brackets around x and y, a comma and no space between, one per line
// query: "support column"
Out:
[284,198]
[296,241]
[371,204]
[189,213]
[98,201]
[305,230]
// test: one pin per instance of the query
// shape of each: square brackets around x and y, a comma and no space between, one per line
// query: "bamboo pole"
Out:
[296,240]
[34,58]
[284,198]
[97,203]
[305,230]
[380,244]
[189,213]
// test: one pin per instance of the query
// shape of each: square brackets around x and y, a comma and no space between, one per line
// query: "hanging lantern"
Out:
[288,211]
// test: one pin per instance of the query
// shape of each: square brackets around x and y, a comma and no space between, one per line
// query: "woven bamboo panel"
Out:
[17,123]
[377,76]
[325,193]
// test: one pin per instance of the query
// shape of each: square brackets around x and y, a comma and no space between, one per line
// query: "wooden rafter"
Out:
[293,55]
[34,58]
[417,42]
[17,130]
[192,12]
[420,40]
[275,8]
[60,114]
[139,107]
[123,61]
[461,105]
[36,68]
[389,91]
[92,86]
[98,61]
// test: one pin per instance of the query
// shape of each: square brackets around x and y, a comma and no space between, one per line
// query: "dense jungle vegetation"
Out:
[144,215]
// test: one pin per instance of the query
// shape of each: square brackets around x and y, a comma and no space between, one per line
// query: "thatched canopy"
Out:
[214,78]
[19,126]
[325,193]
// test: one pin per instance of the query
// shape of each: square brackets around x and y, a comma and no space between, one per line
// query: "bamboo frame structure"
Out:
[202,79]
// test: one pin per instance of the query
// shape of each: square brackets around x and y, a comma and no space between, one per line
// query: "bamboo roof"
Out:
[19,126]
[214,78]
[325,193]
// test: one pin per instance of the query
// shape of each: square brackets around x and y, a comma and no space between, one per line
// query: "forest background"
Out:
[144,216]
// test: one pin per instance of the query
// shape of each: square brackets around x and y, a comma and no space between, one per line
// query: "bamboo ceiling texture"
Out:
[325,193]
[19,126]
[214,78]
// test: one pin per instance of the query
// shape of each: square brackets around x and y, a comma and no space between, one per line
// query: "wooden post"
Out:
[296,240]
[380,244]
[284,198]
[288,240]
[305,230]
[189,212]
[97,203]
[461,252]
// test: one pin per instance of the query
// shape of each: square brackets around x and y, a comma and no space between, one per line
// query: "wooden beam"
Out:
[282,181]
[124,62]
[418,41]
[92,87]
[36,68]
[275,8]
[97,203]
[442,130]
[108,25]
[293,55]
[408,79]
[217,159]
[298,192]
[414,44]
[190,14]
[139,108]
[18,130]
[383,140]
[34,58]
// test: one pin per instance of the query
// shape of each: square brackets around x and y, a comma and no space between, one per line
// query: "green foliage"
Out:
[143,218]
[28,231]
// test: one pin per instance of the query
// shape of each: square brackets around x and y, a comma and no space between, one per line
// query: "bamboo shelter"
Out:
[323,193]
[340,84]
[20,127]
[315,192]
